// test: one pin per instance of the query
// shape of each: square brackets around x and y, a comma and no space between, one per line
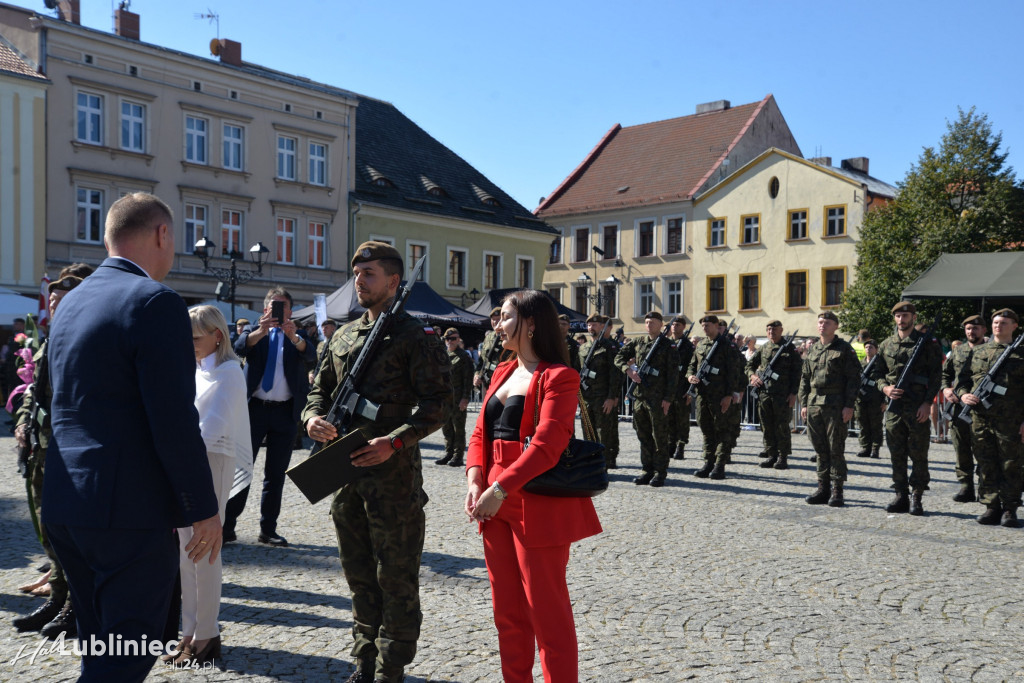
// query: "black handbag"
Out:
[581,471]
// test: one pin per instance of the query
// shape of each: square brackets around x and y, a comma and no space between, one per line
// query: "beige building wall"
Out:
[22,182]
[793,242]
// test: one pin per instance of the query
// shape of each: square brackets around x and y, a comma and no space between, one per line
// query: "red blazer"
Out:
[546,520]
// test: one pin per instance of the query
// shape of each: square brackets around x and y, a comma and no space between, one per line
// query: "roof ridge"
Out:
[578,171]
[694,115]
[732,145]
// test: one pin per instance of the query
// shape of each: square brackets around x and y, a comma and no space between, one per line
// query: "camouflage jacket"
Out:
[462,373]
[37,392]
[490,354]
[684,352]
[410,378]
[602,377]
[830,375]
[729,361]
[574,353]
[954,365]
[1009,406]
[656,387]
[925,376]
[787,367]
[872,395]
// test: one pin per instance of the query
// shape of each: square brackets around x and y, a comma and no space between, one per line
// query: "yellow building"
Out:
[777,239]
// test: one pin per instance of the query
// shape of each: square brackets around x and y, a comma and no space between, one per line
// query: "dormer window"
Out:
[432,188]
[485,197]
[376,177]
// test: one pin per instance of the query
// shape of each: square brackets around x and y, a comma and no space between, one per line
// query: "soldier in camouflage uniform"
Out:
[975,330]
[998,431]
[716,399]
[603,385]
[462,386]
[869,409]
[906,423]
[679,413]
[379,516]
[829,383]
[777,396]
[490,354]
[574,346]
[652,397]
[735,412]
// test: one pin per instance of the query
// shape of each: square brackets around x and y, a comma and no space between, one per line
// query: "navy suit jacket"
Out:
[126,451]
[295,371]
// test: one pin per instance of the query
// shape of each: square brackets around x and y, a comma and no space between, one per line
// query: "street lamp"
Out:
[230,277]
[474,294]
[598,298]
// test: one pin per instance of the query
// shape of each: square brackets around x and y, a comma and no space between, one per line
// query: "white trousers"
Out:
[200,581]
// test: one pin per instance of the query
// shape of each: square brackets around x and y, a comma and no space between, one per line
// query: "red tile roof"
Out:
[12,62]
[657,162]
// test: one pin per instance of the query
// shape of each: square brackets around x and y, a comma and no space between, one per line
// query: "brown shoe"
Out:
[189,657]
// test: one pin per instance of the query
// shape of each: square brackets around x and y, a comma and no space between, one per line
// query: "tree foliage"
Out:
[961,198]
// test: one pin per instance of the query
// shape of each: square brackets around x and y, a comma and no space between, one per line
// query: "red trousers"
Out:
[531,603]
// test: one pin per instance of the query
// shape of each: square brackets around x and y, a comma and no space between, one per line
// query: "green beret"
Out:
[973,320]
[495,311]
[774,323]
[597,318]
[372,251]
[1005,313]
[65,284]
[709,319]
[451,333]
[653,314]
[829,315]
[904,307]
[681,319]
[870,342]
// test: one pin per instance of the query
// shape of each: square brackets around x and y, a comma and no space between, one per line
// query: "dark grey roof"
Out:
[875,186]
[398,164]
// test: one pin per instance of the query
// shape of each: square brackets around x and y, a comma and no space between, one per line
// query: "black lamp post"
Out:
[474,295]
[258,252]
[598,298]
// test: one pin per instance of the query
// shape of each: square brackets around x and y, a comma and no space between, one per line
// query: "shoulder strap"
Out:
[589,433]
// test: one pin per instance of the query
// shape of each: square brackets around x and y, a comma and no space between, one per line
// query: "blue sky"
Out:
[524,90]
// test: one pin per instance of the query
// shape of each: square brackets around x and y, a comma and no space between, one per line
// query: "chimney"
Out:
[856,164]
[229,51]
[126,24]
[821,161]
[717,105]
[68,11]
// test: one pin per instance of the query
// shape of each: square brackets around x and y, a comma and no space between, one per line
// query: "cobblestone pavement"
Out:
[719,580]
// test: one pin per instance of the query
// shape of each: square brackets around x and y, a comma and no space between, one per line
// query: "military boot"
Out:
[783,463]
[901,503]
[991,515]
[916,508]
[610,464]
[866,453]
[456,460]
[718,471]
[678,455]
[1010,518]
[703,472]
[764,454]
[644,479]
[836,501]
[658,480]
[62,623]
[448,455]
[820,495]
[770,462]
[966,493]
[813,458]
[43,615]
[874,453]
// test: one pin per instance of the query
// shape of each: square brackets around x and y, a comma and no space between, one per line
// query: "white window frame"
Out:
[521,258]
[383,238]
[712,231]
[316,244]
[136,130]
[501,267]
[287,159]
[284,238]
[682,234]
[653,220]
[618,240]
[750,220]
[639,310]
[89,208]
[198,227]
[225,243]
[560,240]
[829,220]
[572,244]
[199,139]
[89,118]
[410,261]
[803,222]
[667,296]
[317,164]
[465,268]
[232,143]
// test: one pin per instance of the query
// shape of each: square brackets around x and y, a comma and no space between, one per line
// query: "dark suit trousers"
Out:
[276,422]
[121,581]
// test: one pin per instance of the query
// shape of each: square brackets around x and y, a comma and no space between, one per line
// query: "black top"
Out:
[502,420]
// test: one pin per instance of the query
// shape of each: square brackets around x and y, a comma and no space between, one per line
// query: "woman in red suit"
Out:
[527,536]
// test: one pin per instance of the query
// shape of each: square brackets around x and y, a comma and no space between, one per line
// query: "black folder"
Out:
[330,468]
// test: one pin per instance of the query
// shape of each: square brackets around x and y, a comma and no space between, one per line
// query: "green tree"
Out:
[961,198]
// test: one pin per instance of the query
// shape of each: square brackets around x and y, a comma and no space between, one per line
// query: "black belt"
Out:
[271,404]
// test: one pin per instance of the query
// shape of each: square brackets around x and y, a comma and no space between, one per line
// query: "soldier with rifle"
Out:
[715,374]
[395,394]
[908,371]
[774,372]
[490,354]
[601,384]
[649,364]
[679,413]
[868,409]
[975,330]
[992,388]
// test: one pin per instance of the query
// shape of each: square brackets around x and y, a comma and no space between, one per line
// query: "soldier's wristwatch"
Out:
[397,443]
[499,493]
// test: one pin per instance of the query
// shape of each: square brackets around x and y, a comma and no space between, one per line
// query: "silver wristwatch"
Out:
[499,492]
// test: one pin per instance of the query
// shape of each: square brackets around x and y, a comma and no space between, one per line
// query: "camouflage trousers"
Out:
[651,425]
[380,525]
[828,433]
[999,452]
[454,430]
[678,423]
[869,419]
[776,416]
[719,429]
[58,584]
[607,427]
[908,441]
[962,448]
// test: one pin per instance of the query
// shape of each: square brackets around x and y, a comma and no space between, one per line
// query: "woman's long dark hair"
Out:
[548,342]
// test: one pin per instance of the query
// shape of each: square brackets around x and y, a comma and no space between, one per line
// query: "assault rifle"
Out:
[706,369]
[866,383]
[906,376]
[586,373]
[686,338]
[646,369]
[987,387]
[768,372]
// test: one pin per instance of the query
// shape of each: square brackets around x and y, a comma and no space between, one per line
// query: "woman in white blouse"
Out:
[224,422]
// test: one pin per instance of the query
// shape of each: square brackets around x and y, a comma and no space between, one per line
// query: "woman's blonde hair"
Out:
[206,319]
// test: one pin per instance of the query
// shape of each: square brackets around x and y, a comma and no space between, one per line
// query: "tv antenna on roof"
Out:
[212,16]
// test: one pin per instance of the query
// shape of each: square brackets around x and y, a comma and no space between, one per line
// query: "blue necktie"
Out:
[268,372]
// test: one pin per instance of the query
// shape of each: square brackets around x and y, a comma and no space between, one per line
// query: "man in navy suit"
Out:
[126,462]
[276,356]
